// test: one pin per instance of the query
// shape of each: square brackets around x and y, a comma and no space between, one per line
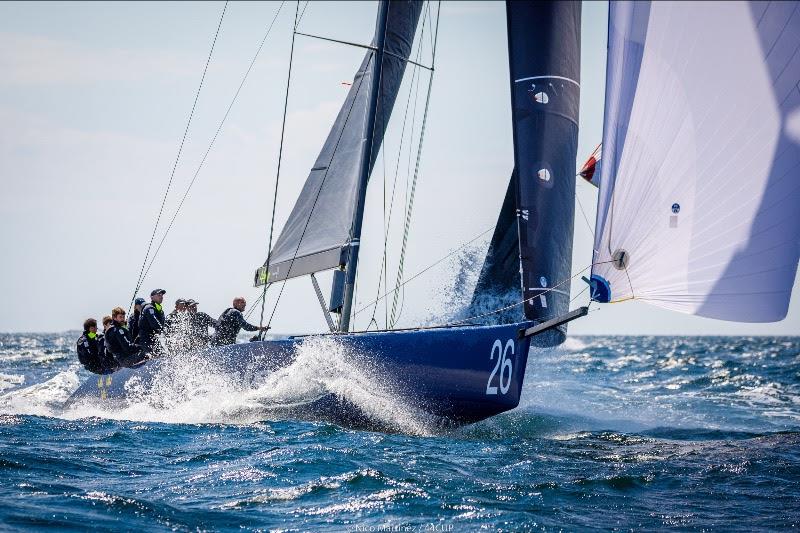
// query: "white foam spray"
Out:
[194,389]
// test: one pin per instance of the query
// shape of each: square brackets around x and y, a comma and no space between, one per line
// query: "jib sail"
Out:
[544,60]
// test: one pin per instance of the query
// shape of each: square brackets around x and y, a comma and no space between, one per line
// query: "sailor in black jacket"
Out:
[199,323]
[133,320]
[120,342]
[230,322]
[152,321]
[91,350]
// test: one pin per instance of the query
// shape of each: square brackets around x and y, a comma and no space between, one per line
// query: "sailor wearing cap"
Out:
[199,323]
[133,320]
[178,331]
[152,321]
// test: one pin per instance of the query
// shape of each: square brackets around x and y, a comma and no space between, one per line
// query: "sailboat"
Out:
[697,205]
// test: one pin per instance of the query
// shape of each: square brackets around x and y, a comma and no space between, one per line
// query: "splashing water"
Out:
[323,366]
[192,388]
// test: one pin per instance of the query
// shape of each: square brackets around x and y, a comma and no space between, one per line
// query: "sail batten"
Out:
[317,235]
[701,153]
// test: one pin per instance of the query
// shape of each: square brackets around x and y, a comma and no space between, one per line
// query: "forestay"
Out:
[699,192]
[318,230]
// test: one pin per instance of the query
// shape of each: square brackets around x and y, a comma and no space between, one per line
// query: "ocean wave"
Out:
[41,399]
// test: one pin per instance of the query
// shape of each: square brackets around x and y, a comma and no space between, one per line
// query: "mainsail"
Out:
[699,191]
[544,60]
[317,234]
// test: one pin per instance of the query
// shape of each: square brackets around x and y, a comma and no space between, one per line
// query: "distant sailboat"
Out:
[697,200]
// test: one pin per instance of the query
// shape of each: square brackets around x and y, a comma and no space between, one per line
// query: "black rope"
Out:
[211,145]
[365,46]
[278,171]
[142,273]
[418,274]
[585,218]
[511,306]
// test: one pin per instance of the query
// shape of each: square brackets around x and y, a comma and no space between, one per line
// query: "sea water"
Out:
[686,433]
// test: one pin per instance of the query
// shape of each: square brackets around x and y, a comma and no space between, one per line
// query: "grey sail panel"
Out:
[544,58]
[499,281]
[318,230]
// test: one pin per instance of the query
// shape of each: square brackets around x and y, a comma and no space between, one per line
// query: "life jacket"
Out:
[151,311]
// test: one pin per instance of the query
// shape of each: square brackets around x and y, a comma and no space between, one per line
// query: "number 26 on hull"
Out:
[500,377]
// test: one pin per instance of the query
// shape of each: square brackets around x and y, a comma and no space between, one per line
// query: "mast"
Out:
[355,240]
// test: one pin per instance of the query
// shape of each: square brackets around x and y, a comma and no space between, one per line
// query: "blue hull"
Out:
[459,375]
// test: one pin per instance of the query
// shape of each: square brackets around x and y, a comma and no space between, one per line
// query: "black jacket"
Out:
[228,325]
[120,343]
[133,324]
[200,322]
[92,354]
[151,323]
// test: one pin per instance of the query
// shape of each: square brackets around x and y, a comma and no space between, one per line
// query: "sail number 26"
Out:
[503,365]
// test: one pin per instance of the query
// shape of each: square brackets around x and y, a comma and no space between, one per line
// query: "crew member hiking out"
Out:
[177,333]
[91,350]
[120,342]
[199,322]
[102,343]
[133,321]
[151,323]
[230,322]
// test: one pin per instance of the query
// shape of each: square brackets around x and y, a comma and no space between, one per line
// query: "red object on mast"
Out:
[590,171]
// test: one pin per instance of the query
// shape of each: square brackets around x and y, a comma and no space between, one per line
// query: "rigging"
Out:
[142,272]
[205,155]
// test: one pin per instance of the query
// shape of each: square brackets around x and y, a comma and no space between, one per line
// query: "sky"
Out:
[94,101]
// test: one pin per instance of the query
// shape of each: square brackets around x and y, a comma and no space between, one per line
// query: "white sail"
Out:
[699,207]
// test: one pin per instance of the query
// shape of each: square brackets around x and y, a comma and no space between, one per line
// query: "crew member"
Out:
[199,323]
[120,342]
[151,323]
[106,324]
[180,307]
[133,321]
[177,333]
[230,322]
[91,350]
